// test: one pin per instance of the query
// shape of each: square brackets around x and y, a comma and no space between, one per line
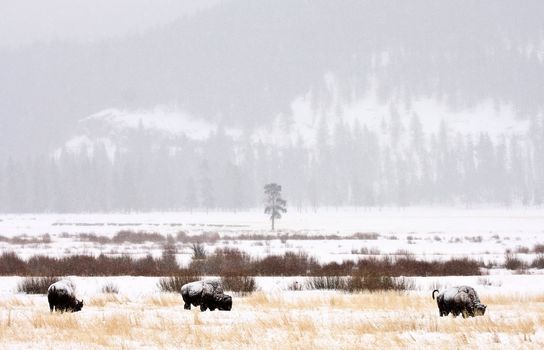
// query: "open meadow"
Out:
[287,320]
[504,247]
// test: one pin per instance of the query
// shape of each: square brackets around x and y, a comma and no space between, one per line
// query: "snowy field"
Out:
[139,317]
[426,233]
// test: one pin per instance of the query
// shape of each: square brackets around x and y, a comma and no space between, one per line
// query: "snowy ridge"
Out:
[161,118]
[302,124]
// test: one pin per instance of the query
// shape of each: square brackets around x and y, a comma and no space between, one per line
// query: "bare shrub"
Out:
[12,264]
[239,284]
[231,261]
[173,284]
[288,264]
[366,251]
[326,282]
[91,237]
[403,252]
[208,237]
[368,236]
[538,248]
[538,262]
[224,262]
[373,283]
[168,257]
[24,239]
[456,267]
[199,251]
[110,288]
[137,237]
[474,239]
[353,284]
[35,285]
[511,262]
[522,250]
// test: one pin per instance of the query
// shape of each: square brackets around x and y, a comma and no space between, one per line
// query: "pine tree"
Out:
[275,204]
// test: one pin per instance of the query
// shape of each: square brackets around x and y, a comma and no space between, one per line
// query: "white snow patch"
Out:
[160,118]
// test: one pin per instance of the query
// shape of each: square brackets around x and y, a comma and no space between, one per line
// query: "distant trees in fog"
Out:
[350,165]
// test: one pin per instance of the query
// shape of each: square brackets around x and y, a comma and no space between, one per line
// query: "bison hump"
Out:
[450,293]
[192,289]
[62,287]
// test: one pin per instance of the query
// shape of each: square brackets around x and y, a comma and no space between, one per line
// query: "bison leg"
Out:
[470,312]
[187,306]
[203,307]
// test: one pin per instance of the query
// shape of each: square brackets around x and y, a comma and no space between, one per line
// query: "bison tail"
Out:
[435,291]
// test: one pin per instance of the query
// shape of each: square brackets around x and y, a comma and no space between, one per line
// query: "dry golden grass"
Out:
[164,300]
[13,301]
[296,320]
[105,299]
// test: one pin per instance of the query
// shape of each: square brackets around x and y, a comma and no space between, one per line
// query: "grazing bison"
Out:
[61,297]
[207,294]
[459,300]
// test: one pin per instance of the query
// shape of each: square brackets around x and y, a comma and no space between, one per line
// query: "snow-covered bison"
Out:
[208,294]
[459,300]
[61,297]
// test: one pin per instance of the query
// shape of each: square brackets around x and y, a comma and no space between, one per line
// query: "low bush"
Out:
[199,251]
[123,236]
[23,239]
[538,262]
[137,237]
[173,284]
[373,283]
[207,237]
[326,282]
[35,285]
[511,262]
[233,262]
[357,283]
[538,248]
[522,250]
[239,284]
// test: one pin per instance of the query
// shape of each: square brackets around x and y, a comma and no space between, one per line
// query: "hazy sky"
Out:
[26,21]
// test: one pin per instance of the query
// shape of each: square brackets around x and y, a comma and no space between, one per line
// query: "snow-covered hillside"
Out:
[301,124]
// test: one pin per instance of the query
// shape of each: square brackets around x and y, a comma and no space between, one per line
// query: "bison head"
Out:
[479,309]
[225,303]
[78,306]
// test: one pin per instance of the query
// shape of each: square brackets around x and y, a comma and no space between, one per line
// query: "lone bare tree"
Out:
[275,205]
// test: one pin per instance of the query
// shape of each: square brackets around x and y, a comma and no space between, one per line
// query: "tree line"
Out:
[349,165]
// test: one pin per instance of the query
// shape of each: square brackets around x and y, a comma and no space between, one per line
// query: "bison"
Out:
[459,300]
[208,294]
[61,297]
